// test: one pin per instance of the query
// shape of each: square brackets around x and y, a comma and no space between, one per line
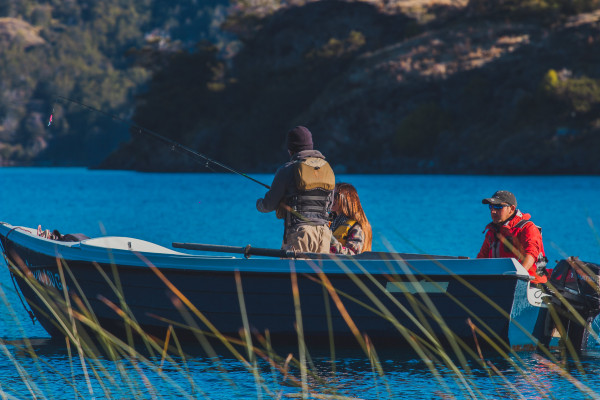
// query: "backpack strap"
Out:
[524,222]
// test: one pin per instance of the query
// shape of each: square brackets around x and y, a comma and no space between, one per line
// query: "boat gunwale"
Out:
[80,252]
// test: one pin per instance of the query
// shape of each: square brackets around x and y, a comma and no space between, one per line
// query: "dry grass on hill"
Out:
[13,29]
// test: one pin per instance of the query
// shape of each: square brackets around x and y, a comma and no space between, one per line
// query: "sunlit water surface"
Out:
[416,214]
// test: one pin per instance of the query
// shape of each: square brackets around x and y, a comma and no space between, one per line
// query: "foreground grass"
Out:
[93,363]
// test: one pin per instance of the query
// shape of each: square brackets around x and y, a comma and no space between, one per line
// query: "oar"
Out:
[249,250]
[257,251]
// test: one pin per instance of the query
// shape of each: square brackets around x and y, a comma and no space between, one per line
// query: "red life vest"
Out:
[515,239]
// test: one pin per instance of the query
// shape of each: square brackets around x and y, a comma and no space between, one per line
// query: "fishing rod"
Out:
[174,145]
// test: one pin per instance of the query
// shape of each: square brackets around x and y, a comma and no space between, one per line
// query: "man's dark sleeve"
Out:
[275,195]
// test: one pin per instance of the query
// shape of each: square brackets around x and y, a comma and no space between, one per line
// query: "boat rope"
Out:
[13,278]
[29,311]
[173,144]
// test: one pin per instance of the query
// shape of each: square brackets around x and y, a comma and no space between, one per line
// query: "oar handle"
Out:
[249,250]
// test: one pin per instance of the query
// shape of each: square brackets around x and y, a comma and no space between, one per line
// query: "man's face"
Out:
[501,212]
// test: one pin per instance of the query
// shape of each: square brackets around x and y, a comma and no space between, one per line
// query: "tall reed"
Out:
[105,365]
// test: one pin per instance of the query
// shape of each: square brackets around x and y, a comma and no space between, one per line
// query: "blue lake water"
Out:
[432,214]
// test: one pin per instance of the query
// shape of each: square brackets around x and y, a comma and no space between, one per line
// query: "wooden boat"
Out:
[395,299]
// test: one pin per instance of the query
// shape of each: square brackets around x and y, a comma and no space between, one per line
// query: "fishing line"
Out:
[173,144]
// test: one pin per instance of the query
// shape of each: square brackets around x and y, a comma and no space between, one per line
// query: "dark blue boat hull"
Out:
[367,299]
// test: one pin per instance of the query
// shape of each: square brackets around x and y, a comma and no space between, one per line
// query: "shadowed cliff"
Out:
[475,91]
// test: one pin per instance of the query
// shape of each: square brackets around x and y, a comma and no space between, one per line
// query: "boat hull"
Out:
[395,302]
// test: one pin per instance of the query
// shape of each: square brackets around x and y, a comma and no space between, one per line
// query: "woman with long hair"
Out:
[351,230]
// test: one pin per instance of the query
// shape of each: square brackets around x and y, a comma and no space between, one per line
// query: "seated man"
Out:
[512,234]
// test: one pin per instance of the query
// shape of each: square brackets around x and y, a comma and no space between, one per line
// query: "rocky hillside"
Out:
[386,86]
[455,87]
[91,51]
[477,95]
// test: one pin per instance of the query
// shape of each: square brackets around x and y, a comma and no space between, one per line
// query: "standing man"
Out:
[302,194]
[512,234]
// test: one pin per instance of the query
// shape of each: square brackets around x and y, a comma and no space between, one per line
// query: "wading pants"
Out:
[309,239]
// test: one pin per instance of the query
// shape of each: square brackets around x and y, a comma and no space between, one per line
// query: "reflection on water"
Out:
[44,368]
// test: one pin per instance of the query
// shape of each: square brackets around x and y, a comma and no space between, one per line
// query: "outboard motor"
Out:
[576,282]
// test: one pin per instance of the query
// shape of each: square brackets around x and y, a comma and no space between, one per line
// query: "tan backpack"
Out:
[314,173]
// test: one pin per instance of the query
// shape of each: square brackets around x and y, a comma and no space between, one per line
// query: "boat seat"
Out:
[125,243]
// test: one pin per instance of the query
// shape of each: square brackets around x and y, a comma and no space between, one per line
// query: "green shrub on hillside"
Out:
[550,81]
[337,48]
[419,130]
[580,94]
